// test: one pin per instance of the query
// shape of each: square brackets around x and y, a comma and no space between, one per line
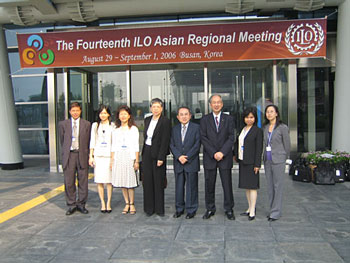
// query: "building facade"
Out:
[310,92]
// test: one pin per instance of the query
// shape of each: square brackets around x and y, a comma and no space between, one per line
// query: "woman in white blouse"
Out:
[100,155]
[125,156]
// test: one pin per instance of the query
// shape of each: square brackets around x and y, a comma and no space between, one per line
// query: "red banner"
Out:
[289,39]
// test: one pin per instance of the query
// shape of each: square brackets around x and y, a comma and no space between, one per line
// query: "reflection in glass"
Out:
[34,142]
[314,109]
[28,89]
[32,116]
[241,88]
[112,89]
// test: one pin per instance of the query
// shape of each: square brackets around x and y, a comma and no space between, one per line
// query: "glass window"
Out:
[112,89]
[187,89]
[32,116]
[61,96]
[314,109]
[15,66]
[28,89]
[34,142]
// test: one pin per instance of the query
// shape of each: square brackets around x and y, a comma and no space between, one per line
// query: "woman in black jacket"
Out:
[248,151]
[154,152]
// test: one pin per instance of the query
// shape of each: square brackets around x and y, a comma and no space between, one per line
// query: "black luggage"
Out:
[302,173]
[324,174]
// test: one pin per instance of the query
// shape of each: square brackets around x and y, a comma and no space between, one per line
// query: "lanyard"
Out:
[270,136]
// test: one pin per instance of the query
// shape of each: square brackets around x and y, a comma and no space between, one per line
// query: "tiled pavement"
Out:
[315,226]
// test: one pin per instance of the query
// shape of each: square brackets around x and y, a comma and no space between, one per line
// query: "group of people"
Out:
[113,150]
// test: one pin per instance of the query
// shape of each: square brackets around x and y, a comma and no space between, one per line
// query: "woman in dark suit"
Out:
[277,149]
[154,152]
[248,151]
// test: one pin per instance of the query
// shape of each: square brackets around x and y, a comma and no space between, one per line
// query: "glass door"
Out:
[241,88]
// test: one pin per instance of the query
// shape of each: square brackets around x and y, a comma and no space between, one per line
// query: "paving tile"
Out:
[98,249]
[342,249]
[143,249]
[64,229]
[39,246]
[201,232]
[154,231]
[249,233]
[196,251]
[249,251]
[108,230]
[310,252]
[297,233]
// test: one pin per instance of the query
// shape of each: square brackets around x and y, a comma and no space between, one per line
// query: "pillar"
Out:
[10,148]
[341,120]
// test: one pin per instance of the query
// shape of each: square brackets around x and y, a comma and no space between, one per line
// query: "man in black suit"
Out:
[154,152]
[217,137]
[185,144]
[75,138]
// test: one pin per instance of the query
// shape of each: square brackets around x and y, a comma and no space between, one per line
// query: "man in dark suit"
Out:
[75,137]
[154,153]
[217,137]
[185,145]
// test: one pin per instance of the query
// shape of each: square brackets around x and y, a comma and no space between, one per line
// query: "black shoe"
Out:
[82,210]
[272,219]
[208,214]
[71,210]
[244,214]
[103,211]
[250,218]
[190,215]
[178,214]
[109,211]
[148,214]
[160,214]
[230,215]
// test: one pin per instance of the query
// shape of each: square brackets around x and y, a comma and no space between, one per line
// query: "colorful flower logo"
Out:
[35,44]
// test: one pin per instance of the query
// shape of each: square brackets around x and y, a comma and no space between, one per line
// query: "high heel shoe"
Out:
[126,209]
[133,211]
[250,218]
[244,214]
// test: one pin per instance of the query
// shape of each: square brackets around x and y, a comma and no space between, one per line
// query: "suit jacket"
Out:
[280,143]
[190,147]
[160,138]
[253,147]
[217,141]
[65,133]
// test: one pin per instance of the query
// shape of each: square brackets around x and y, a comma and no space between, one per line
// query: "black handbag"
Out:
[324,174]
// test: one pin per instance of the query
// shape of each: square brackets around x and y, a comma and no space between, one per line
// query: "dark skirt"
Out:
[247,178]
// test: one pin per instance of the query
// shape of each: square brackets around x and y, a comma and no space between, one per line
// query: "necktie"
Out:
[183,133]
[75,142]
[217,123]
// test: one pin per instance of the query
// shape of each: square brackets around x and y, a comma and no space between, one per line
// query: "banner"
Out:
[290,39]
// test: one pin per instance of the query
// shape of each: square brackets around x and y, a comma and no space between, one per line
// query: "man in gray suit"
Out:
[75,137]
[185,144]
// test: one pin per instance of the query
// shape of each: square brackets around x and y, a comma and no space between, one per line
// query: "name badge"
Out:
[103,144]
[242,147]
[73,139]
[268,148]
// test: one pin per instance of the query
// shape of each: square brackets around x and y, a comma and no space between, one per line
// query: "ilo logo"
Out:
[35,45]
[304,38]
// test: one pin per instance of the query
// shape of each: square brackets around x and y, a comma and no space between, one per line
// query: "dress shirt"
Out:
[150,131]
[77,121]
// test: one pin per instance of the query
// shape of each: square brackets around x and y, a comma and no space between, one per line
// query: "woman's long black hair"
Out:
[278,119]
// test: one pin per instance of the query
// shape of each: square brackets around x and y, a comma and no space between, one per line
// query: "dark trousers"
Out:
[191,181]
[72,168]
[153,183]
[226,181]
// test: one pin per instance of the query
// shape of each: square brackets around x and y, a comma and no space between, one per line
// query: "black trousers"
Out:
[72,168]
[226,181]
[153,183]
